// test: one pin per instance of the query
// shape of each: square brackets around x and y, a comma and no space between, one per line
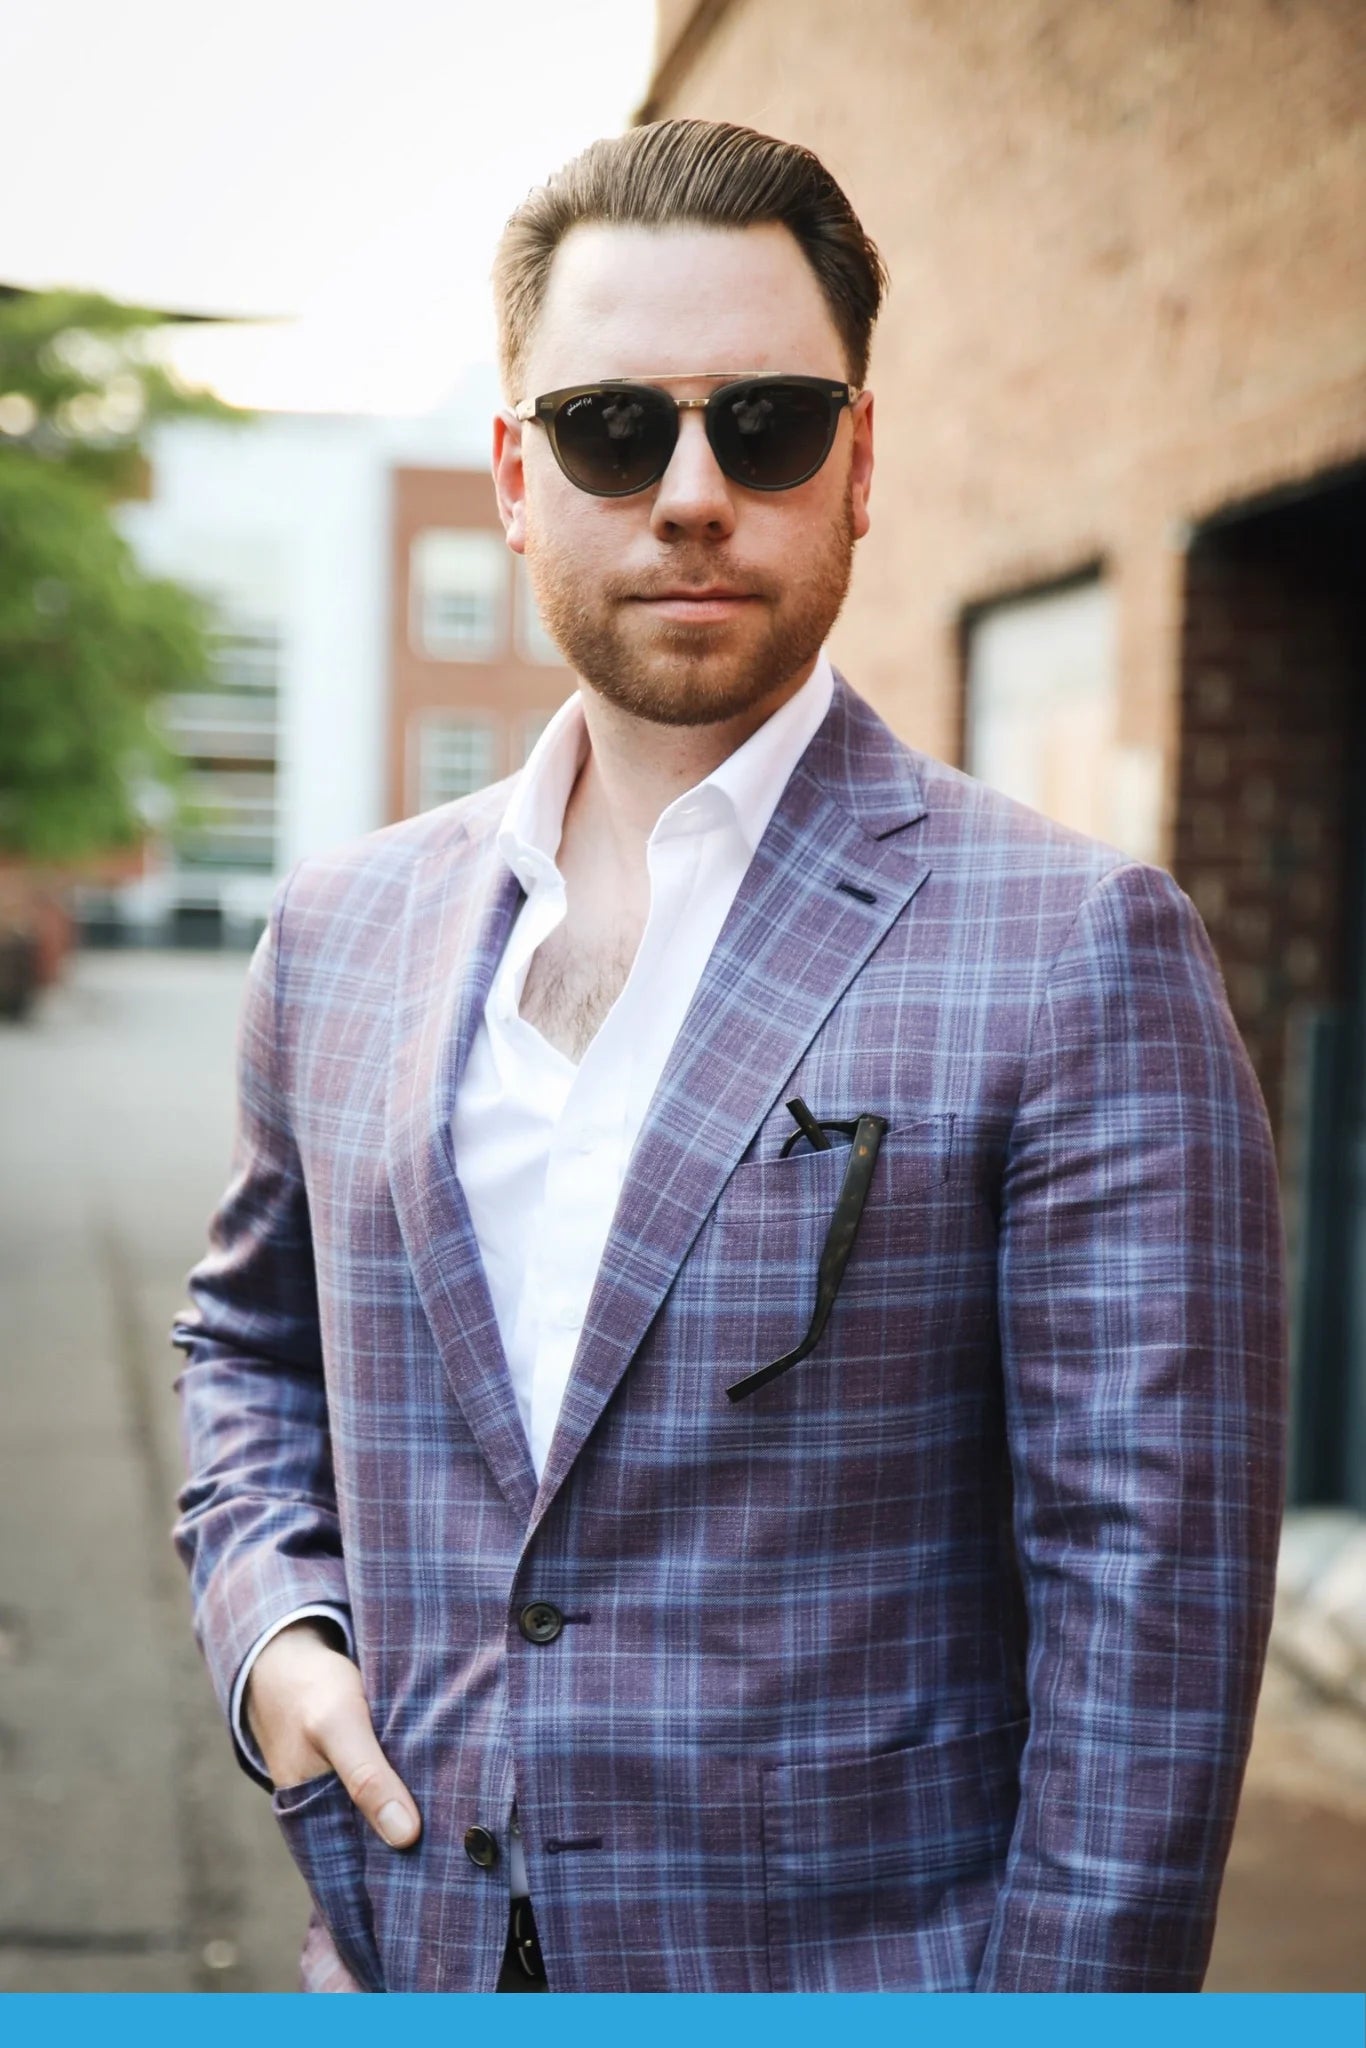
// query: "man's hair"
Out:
[693,173]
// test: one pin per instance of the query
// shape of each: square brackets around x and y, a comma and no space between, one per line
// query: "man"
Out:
[734,1404]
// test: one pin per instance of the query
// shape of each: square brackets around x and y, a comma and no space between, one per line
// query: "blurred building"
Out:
[376,652]
[473,675]
[1119,545]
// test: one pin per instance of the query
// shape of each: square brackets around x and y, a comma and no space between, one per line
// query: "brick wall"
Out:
[1127,290]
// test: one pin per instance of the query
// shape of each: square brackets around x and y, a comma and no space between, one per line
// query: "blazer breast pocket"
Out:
[322,1830]
[763,1252]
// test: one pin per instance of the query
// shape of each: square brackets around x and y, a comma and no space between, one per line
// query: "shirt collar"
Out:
[753,778]
[746,786]
[529,834]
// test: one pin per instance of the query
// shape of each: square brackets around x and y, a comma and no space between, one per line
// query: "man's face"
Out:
[619,581]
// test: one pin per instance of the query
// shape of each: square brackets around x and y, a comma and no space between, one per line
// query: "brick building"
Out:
[472,675]
[1119,545]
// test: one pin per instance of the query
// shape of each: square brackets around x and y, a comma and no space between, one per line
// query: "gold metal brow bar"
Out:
[697,376]
[527,409]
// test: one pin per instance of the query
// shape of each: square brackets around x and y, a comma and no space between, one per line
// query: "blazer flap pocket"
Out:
[322,1829]
[931,1810]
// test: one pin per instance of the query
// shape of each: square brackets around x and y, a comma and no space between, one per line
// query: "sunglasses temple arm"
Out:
[839,1243]
[807,1127]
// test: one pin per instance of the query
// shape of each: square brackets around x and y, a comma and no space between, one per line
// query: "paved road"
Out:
[133,1853]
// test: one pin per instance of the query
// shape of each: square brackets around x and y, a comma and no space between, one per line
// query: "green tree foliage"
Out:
[88,643]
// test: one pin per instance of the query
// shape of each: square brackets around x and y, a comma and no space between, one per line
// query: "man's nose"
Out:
[692,496]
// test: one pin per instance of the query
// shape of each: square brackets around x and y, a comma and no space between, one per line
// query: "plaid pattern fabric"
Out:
[932,1664]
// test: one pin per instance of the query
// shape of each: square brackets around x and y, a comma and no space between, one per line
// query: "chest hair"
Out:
[571,984]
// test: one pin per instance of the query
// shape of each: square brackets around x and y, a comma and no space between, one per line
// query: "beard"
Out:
[672,673]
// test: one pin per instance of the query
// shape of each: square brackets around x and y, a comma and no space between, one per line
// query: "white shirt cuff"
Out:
[237,1719]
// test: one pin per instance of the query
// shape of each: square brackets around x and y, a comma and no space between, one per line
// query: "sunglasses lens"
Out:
[771,435]
[611,442]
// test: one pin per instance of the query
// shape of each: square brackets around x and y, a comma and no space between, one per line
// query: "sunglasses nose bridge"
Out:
[693,489]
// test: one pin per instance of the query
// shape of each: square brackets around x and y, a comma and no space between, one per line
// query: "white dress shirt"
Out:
[542,1145]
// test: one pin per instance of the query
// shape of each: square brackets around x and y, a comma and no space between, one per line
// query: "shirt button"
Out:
[567,1316]
[540,1622]
[586,1140]
[481,1847]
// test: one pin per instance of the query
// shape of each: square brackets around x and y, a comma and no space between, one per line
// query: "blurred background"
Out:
[254,601]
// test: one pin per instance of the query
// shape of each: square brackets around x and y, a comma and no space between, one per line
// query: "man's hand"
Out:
[305,1707]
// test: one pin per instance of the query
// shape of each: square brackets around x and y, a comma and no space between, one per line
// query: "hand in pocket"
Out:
[308,1712]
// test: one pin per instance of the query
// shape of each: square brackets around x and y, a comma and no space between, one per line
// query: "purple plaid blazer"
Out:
[933,1663]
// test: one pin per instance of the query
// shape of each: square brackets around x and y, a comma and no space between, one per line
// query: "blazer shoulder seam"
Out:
[1088,894]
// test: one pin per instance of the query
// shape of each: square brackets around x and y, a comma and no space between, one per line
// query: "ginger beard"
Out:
[670,672]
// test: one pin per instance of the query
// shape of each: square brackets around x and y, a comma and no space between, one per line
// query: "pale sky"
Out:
[346,163]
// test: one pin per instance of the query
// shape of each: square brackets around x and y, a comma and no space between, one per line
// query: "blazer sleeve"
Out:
[258,1529]
[1143,1350]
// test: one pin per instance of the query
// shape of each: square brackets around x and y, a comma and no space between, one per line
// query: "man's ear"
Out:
[508,481]
[861,465]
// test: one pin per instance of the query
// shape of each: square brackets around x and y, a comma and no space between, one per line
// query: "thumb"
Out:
[371,1780]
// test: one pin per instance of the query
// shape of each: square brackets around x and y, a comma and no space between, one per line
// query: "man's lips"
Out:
[693,594]
[714,600]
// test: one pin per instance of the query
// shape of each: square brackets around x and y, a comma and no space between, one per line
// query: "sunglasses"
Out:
[865,1134]
[767,432]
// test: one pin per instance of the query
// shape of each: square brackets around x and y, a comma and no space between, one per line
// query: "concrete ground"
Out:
[133,1853]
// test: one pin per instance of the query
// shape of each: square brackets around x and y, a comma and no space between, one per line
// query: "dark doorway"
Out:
[1271,843]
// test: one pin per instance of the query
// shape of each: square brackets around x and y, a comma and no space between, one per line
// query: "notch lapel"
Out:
[791,945]
[461,905]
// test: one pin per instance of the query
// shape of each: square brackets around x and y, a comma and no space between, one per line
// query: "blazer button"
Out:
[540,1623]
[481,1847]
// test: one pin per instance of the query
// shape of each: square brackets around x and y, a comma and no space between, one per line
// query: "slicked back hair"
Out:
[698,174]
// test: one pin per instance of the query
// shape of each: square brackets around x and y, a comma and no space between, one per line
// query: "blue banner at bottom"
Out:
[873,2020]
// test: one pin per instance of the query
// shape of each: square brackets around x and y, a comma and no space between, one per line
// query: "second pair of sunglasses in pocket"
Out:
[865,1134]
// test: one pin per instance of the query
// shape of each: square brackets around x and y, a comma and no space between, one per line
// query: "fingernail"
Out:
[396,1824]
